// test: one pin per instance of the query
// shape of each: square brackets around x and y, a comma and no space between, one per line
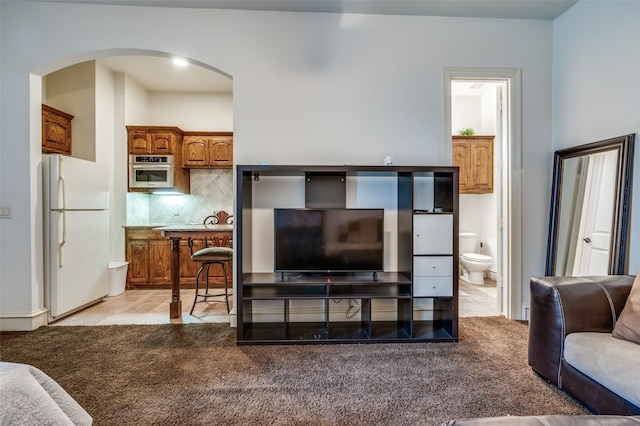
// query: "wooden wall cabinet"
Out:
[56,131]
[208,150]
[154,140]
[474,156]
[150,261]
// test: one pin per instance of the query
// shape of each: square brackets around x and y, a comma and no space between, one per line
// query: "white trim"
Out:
[23,321]
[525,312]
[513,223]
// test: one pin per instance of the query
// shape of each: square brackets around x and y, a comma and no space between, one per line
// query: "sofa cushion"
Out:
[628,325]
[553,420]
[609,361]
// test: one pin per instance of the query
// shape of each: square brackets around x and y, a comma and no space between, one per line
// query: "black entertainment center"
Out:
[325,279]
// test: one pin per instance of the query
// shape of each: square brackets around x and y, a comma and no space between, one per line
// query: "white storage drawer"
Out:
[432,287]
[433,266]
[433,276]
[433,234]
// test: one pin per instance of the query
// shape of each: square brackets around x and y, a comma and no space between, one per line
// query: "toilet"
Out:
[473,264]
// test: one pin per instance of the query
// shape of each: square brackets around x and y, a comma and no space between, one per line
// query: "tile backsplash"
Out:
[211,191]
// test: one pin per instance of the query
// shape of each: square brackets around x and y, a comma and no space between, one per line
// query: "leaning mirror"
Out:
[588,227]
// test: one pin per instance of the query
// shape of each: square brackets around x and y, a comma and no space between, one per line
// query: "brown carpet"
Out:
[194,374]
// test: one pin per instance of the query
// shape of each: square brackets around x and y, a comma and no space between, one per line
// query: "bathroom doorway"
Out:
[485,100]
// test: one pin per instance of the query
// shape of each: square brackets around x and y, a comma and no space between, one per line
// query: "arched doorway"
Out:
[110,89]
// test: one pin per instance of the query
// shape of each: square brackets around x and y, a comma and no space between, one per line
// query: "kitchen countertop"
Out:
[194,227]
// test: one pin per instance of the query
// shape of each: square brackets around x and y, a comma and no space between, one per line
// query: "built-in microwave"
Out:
[151,171]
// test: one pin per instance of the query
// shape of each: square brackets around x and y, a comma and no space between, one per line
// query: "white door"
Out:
[593,249]
[79,259]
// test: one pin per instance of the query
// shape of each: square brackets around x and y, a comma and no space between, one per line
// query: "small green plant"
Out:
[467,132]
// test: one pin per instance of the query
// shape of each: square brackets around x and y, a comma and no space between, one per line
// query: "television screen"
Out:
[328,240]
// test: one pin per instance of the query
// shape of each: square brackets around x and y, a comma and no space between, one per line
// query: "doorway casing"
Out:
[510,210]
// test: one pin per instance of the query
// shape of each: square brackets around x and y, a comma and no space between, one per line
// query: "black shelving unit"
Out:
[406,305]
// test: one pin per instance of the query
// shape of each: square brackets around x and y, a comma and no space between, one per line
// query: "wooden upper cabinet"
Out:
[474,156]
[154,140]
[162,143]
[208,150]
[56,131]
[195,151]
[221,151]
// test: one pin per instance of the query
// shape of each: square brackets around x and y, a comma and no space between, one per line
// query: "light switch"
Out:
[5,212]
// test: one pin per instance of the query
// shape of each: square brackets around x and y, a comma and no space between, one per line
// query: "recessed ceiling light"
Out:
[180,62]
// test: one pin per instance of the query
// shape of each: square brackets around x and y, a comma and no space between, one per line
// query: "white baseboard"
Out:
[525,312]
[27,321]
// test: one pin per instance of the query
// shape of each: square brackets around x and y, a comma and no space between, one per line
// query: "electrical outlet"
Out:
[5,212]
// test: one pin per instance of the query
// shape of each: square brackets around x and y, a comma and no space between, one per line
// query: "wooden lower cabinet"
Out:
[149,257]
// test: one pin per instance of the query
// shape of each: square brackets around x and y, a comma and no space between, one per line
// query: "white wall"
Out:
[595,80]
[308,88]
[191,111]
[466,113]
[72,90]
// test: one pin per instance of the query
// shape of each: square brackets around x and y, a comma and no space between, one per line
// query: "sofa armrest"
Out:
[563,305]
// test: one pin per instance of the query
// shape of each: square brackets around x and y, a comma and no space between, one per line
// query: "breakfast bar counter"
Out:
[219,234]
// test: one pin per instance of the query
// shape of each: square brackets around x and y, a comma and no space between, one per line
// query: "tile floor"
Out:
[152,307]
[147,307]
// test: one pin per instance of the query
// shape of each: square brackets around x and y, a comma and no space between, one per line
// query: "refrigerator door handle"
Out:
[64,238]
[63,188]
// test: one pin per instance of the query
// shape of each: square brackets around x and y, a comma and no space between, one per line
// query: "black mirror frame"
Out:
[618,254]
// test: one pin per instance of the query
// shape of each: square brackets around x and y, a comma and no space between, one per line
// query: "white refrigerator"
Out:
[76,233]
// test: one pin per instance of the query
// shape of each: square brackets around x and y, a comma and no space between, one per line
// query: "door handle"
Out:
[587,240]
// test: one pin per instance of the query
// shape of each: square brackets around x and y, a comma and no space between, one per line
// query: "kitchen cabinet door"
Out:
[152,140]
[195,151]
[56,131]
[138,258]
[160,261]
[474,156]
[162,143]
[207,150]
[221,151]
[189,268]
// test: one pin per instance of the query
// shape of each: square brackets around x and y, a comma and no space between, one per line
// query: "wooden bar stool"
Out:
[208,256]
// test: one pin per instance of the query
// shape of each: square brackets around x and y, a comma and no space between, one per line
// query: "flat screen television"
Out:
[328,240]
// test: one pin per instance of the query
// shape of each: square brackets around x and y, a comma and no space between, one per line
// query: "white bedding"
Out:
[30,397]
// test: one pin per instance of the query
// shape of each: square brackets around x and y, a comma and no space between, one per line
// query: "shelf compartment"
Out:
[390,330]
[432,330]
[278,331]
[348,330]
[355,291]
[269,278]
[283,291]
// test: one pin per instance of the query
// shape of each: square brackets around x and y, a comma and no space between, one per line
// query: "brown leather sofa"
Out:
[563,305]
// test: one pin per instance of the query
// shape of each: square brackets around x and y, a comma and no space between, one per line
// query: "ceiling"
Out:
[512,9]
[159,74]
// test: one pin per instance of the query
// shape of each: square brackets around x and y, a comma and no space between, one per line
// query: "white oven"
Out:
[151,171]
